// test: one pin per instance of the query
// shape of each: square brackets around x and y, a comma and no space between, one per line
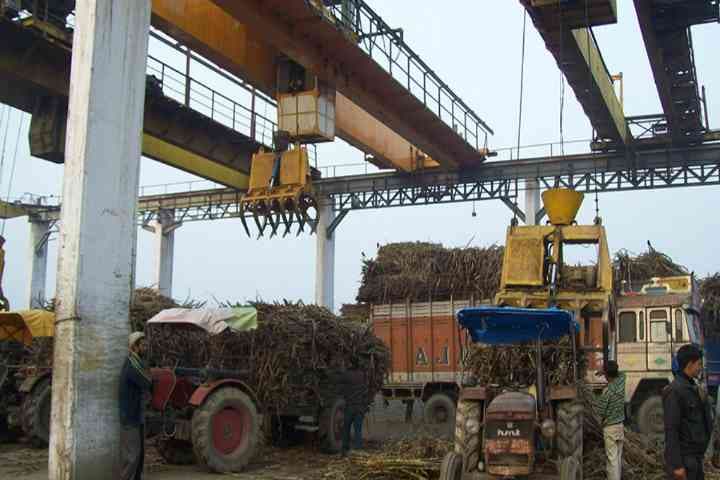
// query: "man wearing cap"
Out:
[134,382]
[688,418]
[610,407]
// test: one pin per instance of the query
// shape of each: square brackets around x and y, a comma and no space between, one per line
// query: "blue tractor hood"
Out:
[509,326]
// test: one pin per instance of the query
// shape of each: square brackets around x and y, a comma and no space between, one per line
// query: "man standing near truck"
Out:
[356,406]
[688,418]
[135,381]
[610,407]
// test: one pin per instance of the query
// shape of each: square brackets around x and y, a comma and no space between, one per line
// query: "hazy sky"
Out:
[475,47]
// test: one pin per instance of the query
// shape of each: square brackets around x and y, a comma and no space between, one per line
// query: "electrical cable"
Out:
[12,170]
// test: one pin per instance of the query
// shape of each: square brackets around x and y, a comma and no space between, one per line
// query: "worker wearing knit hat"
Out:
[134,337]
[135,381]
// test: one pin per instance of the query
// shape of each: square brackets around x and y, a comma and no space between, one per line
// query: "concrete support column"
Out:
[100,185]
[325,259]
[163,228]
[38,252]
[532,201]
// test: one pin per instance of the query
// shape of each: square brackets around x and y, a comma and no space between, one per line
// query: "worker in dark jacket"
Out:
[135,381]
[355,393]
[688,418]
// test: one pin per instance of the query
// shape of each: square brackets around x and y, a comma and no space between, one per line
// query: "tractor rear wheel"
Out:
[226,430]
[36,413]
[175,452]
[332,419]
[468,432]
[451,467]
[570,418]
[649,416]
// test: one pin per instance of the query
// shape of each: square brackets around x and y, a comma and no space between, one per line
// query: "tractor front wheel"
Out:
[468,432]
[451,467]
[36,413]
[226,430]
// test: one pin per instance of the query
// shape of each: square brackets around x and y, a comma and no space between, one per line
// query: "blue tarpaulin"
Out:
[508,326]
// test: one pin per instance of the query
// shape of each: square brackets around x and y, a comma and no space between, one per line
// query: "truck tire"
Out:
[439,409]
[226,430]
[649,417]
[468,434]
[175,452]
[570,418]
[331,426]
[451,467]
[36,413]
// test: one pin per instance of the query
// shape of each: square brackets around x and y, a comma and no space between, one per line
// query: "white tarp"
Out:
[212,320]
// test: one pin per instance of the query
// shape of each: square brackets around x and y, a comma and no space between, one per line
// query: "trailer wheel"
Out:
[451,467]
[649,416]
[36,413]
[468,432]
[332,419]
[226,430]
[570,418]
[175,452]
[439,409]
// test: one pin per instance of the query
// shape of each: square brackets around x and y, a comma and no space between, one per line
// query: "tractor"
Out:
[514,430]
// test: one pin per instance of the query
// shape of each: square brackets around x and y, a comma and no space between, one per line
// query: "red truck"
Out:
[427,348]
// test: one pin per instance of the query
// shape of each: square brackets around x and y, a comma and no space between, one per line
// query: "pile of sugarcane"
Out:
[516,364]
[355,312]
[710,311]
[407,459]
[636,270]
[418,271]
[287,359]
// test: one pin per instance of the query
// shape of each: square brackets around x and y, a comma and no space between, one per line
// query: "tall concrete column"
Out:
[325,259]
[100,185]
[38,252]
[163,228]
[532,201]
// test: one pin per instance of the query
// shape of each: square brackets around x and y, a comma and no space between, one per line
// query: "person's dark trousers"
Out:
[354,421]
[693,468]
[132,440]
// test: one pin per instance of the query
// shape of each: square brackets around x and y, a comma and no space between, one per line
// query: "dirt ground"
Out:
[20,461]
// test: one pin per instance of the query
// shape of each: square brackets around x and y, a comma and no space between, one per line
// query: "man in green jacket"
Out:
[610,407]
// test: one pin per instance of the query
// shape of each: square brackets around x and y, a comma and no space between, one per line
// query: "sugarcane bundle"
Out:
[710,311]
[355,312]
[637,270]
[517,364]
[418,271]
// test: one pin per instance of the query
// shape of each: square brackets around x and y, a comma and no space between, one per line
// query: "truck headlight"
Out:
[472,426]
[547,428]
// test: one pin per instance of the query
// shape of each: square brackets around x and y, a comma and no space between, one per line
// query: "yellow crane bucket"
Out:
[280,192]
[562,205]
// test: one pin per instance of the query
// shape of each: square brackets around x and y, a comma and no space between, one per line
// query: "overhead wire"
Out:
[4,144]
[12,169]
[562,79]
[520,103]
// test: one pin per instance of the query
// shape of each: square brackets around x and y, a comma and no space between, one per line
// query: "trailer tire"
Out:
[174,451]
[226,430]
[331,426]
[451,467]
[649,417]
[36,413]
[570,422]
[468,436]
[439,409]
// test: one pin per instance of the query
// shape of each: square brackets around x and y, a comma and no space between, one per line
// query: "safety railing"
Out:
[387,47]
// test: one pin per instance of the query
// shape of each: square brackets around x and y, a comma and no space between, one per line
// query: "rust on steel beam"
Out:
[579,58]
[665,28]
[31,67]
[303,33]
[212,32]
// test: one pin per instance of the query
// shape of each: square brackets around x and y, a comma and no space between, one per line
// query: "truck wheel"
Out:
[226,430]
[570,470]
[570,418]
[332,419]
[36,413]
[451,467]
[649,417]
[468,432]
[439,409]
[175,452]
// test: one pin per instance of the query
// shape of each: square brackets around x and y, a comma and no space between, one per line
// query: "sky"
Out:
[475,47]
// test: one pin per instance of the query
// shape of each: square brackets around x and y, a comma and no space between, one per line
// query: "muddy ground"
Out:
[20,461]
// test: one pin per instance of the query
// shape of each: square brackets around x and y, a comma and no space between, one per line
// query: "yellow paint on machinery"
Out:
[188,161]
[24,325]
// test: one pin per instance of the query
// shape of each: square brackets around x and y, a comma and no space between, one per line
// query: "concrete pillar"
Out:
[532,201]
[325,259]
[163,228]
[100,185]
[38,252]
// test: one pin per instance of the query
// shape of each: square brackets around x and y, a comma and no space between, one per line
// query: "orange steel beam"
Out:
[215,34]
